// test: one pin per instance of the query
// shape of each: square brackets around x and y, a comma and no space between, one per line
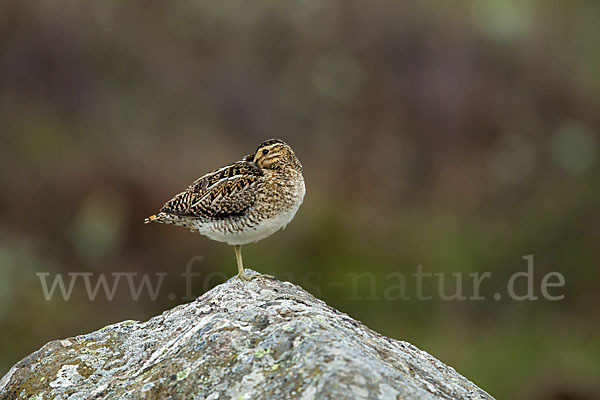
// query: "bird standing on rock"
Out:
[243,202]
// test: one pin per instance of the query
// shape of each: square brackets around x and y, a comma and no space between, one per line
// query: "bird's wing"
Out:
[219,194]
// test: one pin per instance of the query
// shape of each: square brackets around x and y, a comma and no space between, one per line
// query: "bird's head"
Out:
[276,154]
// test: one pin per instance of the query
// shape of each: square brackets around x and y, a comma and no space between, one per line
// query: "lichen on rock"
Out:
[262,339]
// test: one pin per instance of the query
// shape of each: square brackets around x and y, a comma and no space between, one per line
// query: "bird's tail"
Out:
[166,218]
[154,218]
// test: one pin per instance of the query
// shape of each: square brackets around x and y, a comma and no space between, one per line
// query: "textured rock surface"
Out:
[257,340]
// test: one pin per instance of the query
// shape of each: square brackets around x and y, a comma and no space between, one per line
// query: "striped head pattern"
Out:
[276,154]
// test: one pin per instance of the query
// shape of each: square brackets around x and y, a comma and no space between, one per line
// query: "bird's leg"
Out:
[238,256]
[241,276]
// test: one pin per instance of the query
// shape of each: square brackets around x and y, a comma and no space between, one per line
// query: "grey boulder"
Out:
[263,339]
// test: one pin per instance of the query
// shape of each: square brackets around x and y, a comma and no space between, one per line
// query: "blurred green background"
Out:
[460,136]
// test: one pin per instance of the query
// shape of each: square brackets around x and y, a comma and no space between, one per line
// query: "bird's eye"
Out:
[265,152]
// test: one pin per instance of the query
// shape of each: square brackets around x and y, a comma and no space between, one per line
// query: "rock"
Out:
[259,340]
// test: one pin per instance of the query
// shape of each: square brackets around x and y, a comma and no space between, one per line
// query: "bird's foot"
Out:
[242,277]
[265,276]
[246,278]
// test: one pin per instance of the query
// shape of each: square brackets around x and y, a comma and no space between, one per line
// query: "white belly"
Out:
[253,234]
[228,232]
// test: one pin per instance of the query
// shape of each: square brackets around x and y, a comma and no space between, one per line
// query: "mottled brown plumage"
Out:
[221,194]
[242,202]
